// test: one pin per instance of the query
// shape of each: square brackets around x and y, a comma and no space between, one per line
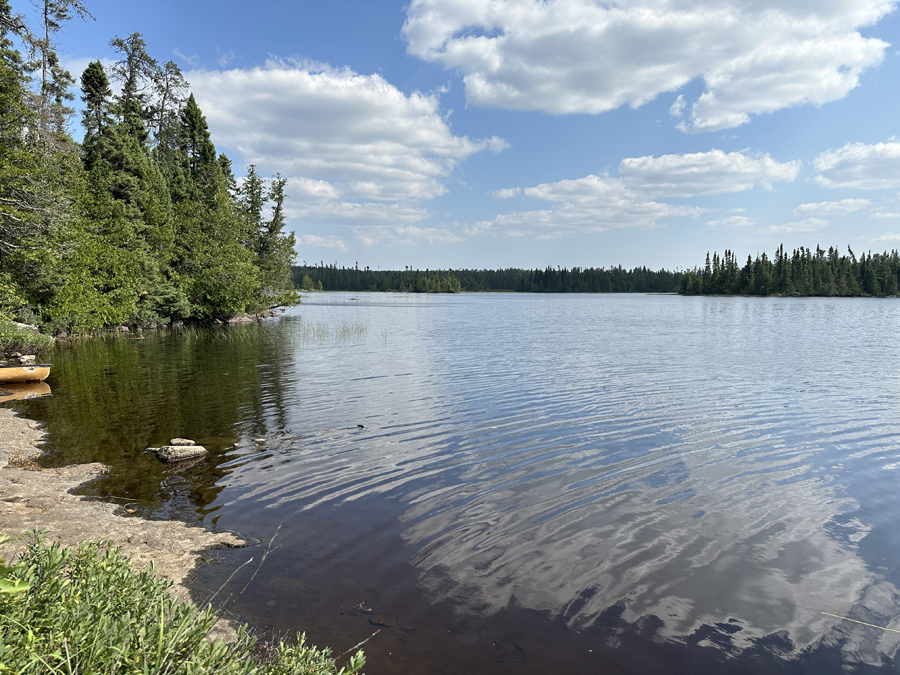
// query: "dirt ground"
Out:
[32,497]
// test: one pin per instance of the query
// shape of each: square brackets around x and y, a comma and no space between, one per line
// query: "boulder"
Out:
[241,318]
[28,327]
[26,360]
[178,453]
[182,441]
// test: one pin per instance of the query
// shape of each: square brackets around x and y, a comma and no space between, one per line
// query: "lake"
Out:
[506,483]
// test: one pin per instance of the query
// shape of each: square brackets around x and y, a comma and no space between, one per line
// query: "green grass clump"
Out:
[89,611]
[15,339]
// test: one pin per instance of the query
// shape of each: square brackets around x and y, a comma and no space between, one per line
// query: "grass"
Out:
[15,339]
[88,610]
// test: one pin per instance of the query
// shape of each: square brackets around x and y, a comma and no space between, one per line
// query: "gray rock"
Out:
[26,360]
[124,329]
[182,441]
[27,326]
[178,453]
[241,318]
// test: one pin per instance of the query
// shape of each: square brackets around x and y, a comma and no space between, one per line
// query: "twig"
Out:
[263,559]
[362,643]
[870,625]
[227,580]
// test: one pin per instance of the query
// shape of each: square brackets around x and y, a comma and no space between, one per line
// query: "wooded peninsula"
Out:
[142,222]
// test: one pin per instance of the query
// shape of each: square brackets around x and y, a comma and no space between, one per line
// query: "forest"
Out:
[549,280]
[142,222]
[802,273]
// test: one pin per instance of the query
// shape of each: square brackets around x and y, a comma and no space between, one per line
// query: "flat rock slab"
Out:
[31,497]
[178,453]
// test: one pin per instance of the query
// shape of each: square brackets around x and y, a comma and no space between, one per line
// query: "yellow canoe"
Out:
[32,373]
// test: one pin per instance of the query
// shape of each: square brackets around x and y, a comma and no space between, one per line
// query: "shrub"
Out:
[15,339]
[90,611]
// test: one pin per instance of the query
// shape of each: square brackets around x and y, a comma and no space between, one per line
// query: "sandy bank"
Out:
[32,497]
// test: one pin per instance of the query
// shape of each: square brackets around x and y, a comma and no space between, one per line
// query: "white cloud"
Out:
[506,193]
[589,204]
[805,225]
[888,236]
[583,56]
[357,149]
[860,166]
[598,203]
[226,58]
[407,235]
[840,208]
[323,242]
[704,173]
[885,215]
[312,120]
[192,60]
[731,221]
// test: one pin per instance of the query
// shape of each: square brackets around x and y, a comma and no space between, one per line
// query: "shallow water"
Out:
[528,484]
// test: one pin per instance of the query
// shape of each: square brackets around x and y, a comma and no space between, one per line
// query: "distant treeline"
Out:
[549,280]
[803,273]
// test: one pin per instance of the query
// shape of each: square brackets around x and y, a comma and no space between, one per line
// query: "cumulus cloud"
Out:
[704,173]
[356,149]
[731,221]
[840,208]
[805,225]
[885,215]
[589,204]
[583,56]
[888,237]
[634,198]
[860,166]
[506,193]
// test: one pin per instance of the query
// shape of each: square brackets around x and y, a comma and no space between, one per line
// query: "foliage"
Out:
[549,280]
[89,611]
[803,273]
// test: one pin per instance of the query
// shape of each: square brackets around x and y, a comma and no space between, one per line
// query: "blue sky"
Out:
[525,133]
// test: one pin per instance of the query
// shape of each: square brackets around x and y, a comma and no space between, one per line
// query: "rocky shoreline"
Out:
[31,497]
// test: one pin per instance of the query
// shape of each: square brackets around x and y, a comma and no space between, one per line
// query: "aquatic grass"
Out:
[89,611]
[343,331]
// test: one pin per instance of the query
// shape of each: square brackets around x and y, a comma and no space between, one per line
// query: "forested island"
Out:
[802,273]
[549,280]
[142,222]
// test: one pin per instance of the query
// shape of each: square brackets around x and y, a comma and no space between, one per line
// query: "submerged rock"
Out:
[178,453]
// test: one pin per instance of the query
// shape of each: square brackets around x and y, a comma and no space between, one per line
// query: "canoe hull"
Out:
[35,373]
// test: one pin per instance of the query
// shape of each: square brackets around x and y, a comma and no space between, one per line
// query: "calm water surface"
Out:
[528,483]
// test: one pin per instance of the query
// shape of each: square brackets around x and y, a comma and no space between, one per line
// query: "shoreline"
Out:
[33,497]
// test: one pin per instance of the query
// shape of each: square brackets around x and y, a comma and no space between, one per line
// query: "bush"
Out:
[90,611]
[15,339]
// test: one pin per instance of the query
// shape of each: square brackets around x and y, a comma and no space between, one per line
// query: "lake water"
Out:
[527,483]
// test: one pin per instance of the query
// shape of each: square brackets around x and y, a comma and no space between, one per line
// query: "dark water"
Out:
[528,484]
